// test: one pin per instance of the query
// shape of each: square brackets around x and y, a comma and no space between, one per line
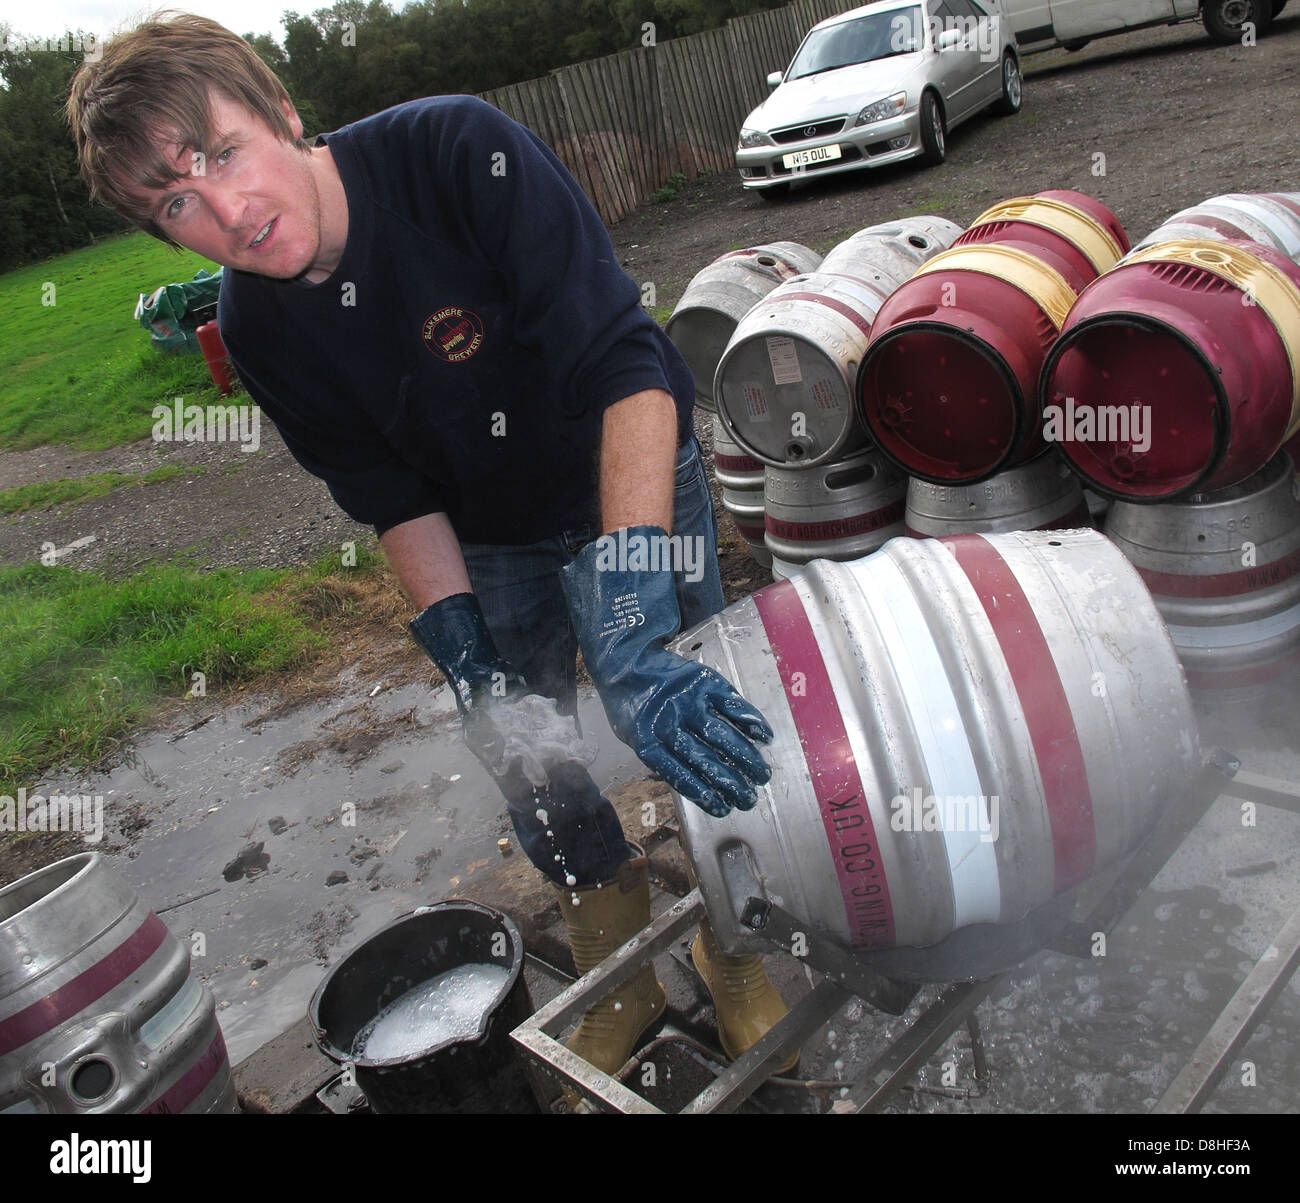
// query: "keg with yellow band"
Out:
[1043,285]
[1261,283]
[1092,238]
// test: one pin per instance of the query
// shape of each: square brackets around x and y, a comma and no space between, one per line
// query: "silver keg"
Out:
[99,1011]
[785,383]
[836,511]
[1270,218]
[1224,569]
[1040,495]
[740,478]
[720,294]
[965,729]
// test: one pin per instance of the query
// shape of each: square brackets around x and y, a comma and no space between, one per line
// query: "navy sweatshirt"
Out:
[490,327]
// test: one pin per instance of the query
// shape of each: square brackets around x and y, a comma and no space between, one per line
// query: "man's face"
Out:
[254,205]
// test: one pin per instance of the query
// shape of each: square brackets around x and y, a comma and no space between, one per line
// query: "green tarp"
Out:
[174,312]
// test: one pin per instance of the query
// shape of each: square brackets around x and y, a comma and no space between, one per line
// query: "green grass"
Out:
[81,488]
[85,658]
[81,371]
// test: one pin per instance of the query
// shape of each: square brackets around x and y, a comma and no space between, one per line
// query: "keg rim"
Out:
[89,862]
[1150,325]
[1007,456]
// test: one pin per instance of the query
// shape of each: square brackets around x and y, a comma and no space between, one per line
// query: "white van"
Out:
[1045,24]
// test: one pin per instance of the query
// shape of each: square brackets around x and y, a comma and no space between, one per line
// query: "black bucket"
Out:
[478,1074]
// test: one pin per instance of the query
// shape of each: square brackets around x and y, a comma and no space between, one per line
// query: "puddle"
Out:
[238,826]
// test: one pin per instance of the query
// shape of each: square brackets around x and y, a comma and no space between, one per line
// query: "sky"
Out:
[49,18]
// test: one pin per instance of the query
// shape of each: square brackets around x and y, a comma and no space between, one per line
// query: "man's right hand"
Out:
[515,733]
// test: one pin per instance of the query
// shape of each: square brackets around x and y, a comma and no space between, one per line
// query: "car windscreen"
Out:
[876,36]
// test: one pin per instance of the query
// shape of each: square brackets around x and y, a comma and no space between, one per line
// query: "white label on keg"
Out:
[784,359]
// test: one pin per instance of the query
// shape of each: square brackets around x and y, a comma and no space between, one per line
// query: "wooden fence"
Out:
[626,123]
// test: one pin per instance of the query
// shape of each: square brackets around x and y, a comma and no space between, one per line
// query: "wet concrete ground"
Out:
[398,804]
[382,789]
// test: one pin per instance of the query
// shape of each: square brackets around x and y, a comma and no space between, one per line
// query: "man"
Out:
[431,312]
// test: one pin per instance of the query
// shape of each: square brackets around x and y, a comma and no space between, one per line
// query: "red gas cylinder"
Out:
[214,352]
[1178,371]
[949,384]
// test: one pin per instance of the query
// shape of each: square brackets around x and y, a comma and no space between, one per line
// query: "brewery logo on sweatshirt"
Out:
[453,334]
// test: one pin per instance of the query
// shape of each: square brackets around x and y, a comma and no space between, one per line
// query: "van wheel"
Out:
[1225,19]
[934,136]
[1012,87]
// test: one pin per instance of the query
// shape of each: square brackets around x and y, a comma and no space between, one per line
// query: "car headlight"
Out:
[882,109]
[750,138]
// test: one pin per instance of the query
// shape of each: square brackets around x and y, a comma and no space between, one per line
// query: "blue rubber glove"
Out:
[455,637]
[682,719]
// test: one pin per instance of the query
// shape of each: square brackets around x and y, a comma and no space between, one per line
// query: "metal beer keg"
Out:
[740,478]
[965,729]
[839,511]
[1224,569]
[98,1009]
[719,295]
[1040,495]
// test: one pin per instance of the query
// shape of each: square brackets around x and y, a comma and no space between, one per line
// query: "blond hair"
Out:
[153,88]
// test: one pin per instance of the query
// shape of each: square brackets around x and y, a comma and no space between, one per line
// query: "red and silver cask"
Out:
[965,728]
[719,295]
[1224,569]
[839,511]
[1040,495]
[98,1009]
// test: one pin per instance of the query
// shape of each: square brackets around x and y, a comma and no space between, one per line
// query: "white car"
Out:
[879,84]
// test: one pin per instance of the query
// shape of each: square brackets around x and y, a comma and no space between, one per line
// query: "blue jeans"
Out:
[523,603]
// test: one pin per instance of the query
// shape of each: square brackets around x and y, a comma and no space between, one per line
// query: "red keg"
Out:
[948,387]
[1178,371]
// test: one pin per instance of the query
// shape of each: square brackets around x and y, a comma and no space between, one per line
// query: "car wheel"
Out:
[774,192]
[934,137]
[1012,87]
[1225,19]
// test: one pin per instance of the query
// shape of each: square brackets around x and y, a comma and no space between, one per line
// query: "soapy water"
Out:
[447,1007]
[538,737]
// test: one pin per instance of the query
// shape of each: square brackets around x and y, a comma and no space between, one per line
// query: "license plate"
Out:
[805,158]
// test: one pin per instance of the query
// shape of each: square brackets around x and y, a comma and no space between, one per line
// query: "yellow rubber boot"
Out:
[744,998]
[600,919]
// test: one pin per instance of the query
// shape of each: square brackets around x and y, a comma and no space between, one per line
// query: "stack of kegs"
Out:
[702,324]
[948,388]
[1172,389]
[785,392]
